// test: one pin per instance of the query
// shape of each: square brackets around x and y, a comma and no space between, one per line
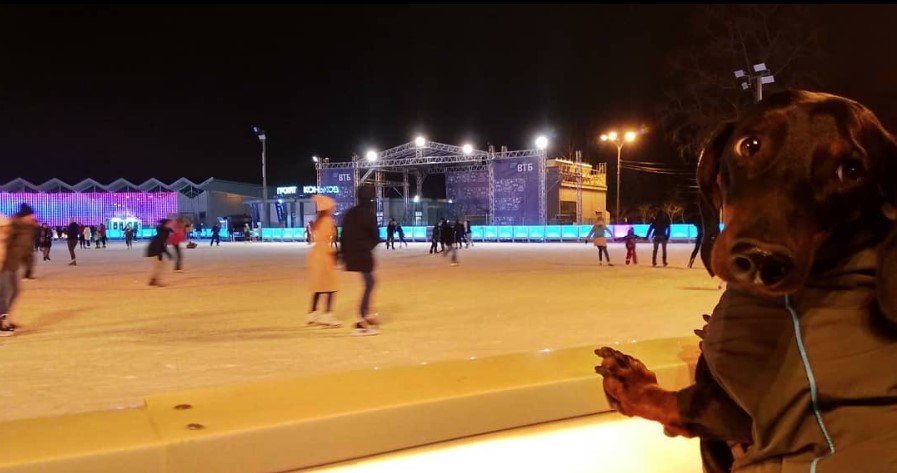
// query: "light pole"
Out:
[542,144]
[619,141]
[755,80]
[261,136]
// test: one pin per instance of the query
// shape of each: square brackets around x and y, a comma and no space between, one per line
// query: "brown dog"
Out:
[807,184]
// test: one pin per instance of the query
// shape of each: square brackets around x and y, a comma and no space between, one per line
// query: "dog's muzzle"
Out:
[758,264]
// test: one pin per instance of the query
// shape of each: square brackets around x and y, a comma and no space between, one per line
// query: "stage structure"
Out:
[501,188]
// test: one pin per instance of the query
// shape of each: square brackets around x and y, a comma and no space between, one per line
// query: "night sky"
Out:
[168,91]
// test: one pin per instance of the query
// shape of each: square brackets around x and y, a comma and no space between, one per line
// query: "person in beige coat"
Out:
[600,231]
[322,263]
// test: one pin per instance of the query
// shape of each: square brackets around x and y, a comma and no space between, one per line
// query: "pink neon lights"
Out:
[93,208]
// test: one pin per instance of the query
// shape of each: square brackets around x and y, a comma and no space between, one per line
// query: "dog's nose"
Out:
[756,264]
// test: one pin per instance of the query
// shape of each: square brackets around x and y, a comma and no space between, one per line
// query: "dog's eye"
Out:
[749,146]
[849,171]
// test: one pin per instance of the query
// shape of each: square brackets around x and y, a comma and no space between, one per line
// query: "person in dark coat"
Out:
[436,238]
[157,248]
[391,234]
[459,233]
[72,236]
[448,240]
[468,236]
[401,233]
[129,236]
[660,228]
[19,249]
[45,241]
[359,238]
[101,235]
[216,235]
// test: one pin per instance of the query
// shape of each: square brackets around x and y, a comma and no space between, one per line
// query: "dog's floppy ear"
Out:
[886,155]
[711,199]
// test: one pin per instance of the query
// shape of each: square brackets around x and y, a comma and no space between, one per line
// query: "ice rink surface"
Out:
[96,336]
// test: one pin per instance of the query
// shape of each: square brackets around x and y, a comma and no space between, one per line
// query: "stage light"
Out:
[467,148]
[371,155]
[541,142]
[416,199]
[314,159]
[420,141]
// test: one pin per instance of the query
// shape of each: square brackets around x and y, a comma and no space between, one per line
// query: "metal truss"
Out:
[435,158]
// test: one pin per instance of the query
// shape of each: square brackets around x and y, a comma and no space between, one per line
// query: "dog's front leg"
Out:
[632,389]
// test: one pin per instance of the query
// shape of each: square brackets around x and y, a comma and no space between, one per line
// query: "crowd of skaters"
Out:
[658,232]
[21,236]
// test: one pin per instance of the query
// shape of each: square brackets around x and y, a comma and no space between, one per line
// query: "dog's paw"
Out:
[627,381]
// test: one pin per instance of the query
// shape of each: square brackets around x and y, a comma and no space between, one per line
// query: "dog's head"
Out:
[803,178]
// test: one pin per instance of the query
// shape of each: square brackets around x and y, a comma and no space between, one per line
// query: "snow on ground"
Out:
[97,337]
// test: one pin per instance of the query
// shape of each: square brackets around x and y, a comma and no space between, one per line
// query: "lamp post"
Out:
[755,79]
[541,143]
[618,141]
[260,134]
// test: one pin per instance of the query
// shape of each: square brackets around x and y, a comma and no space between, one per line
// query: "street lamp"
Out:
[613,137]
[755,80]
[260,134]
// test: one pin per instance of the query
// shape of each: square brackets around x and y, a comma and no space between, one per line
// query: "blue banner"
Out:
[340,184]
[516,191]
[468,195]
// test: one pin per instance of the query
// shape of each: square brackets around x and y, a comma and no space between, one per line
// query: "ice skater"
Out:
[216,235]
[436,238]
[401,233]
[73,236]
[45,241]
[391,234]
[129,236]
[19,247]
[660,228]
[322,264]
[448,238]
[699,240]
[156,249]
[630,240]
[177,236]
[101,235]
[86,237]
[459,233]
[360,237]
[600,232]
[468,236]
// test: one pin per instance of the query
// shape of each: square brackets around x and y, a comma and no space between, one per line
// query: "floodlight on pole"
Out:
[467,148]
[613,137]
[371,155]
[755,79]
[260,134]
[420,141]
[542,142]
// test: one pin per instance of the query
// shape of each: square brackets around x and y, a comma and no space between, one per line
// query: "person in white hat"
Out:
[322,263]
